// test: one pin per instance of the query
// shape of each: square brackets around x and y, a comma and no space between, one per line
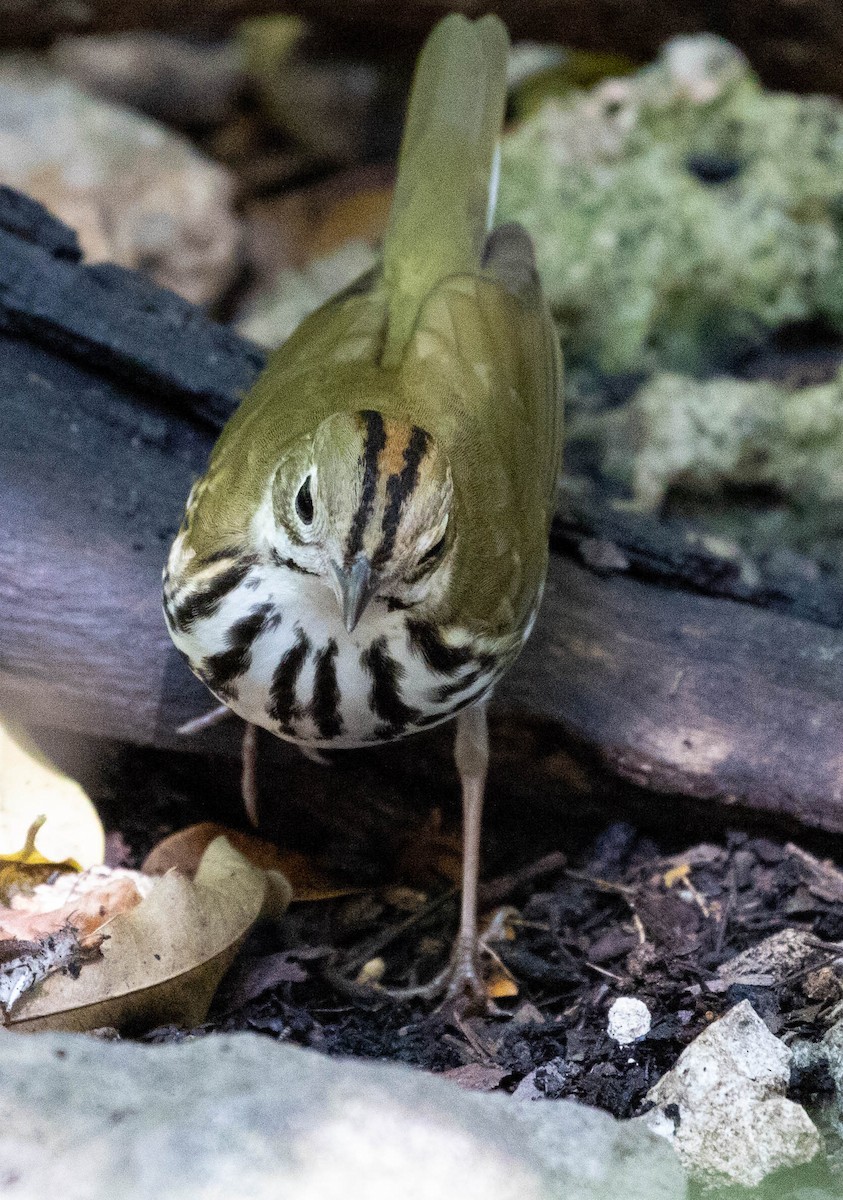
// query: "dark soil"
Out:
[615,912]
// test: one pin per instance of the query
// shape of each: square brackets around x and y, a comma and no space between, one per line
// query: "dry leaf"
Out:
[86,902]
[433,852]
[26,963]
[162,961]
[364,215]
[184,849]
[26,868]
[31,787]
[499,983]
[475,1077]
[252,977]
[677,874]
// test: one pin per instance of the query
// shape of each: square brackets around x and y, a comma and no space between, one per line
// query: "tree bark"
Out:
[794,44]
[106,416]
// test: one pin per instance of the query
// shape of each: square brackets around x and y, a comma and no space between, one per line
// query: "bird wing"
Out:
[483,375]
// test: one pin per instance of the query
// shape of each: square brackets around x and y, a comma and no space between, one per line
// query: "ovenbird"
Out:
[366,553]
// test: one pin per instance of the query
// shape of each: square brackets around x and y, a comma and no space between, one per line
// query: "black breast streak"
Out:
[289,563]
[283,707]
[220,555]
[385,696]
[375,441]
[439,656]
[325,708]
[204,603]
[219,671]
[398,489]
[464,701]
[485,666]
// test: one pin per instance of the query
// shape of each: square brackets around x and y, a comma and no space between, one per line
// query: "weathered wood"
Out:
[680,693]
[792,43]
[610,538]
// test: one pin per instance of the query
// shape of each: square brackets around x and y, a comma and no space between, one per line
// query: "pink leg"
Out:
[249,776]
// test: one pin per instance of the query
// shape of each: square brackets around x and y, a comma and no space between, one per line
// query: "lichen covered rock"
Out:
[711,435]
[683,212]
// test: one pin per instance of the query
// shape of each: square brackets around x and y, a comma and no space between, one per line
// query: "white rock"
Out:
[230,1116]
[629,1020]
[135,193]
[723,1105]
[296,294]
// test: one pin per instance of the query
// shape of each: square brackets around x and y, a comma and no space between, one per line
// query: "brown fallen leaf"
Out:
[252,977]
[162,961]
[184,849]
[433,852]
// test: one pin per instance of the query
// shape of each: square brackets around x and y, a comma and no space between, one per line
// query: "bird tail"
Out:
[447,172]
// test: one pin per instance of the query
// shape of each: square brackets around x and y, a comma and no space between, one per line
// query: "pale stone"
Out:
[136,194]
[242,1116]
[723,1106]
[629,1020]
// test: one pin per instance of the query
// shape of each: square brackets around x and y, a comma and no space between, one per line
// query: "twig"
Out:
[205,721]
[496,890]
[602,885]
[381,940]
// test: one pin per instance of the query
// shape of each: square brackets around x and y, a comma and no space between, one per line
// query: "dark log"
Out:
[792,43]
[683,694]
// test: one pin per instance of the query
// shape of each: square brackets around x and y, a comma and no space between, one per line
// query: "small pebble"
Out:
[371,972]
[629,1020]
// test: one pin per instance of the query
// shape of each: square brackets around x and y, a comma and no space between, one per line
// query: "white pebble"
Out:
[629,1020]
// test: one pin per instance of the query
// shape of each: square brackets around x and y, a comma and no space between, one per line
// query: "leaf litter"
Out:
[689,931]
[689,934]
[81,949]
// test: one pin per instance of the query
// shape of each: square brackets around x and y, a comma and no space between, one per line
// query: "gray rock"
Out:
[135,193]
[723,1106]
[178,80]
[241,1116]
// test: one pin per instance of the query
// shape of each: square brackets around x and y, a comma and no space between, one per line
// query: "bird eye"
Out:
[304,502]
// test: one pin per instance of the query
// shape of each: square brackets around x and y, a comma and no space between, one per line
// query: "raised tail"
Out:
[447,172]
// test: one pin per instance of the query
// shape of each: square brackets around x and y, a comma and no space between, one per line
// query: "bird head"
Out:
[364,502]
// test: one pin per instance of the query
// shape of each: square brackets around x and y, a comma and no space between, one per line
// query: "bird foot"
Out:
[460,985]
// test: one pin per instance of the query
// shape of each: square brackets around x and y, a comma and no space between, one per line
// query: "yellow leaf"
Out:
[32,788]
[501,985]
[26,868]
[162,961]
[677,875]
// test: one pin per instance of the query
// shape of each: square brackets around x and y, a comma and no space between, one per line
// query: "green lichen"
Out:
[712,436]
[681,214]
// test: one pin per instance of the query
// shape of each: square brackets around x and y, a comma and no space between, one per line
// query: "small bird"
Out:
[366,554]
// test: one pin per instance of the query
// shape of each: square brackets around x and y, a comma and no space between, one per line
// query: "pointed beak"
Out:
[357,586]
